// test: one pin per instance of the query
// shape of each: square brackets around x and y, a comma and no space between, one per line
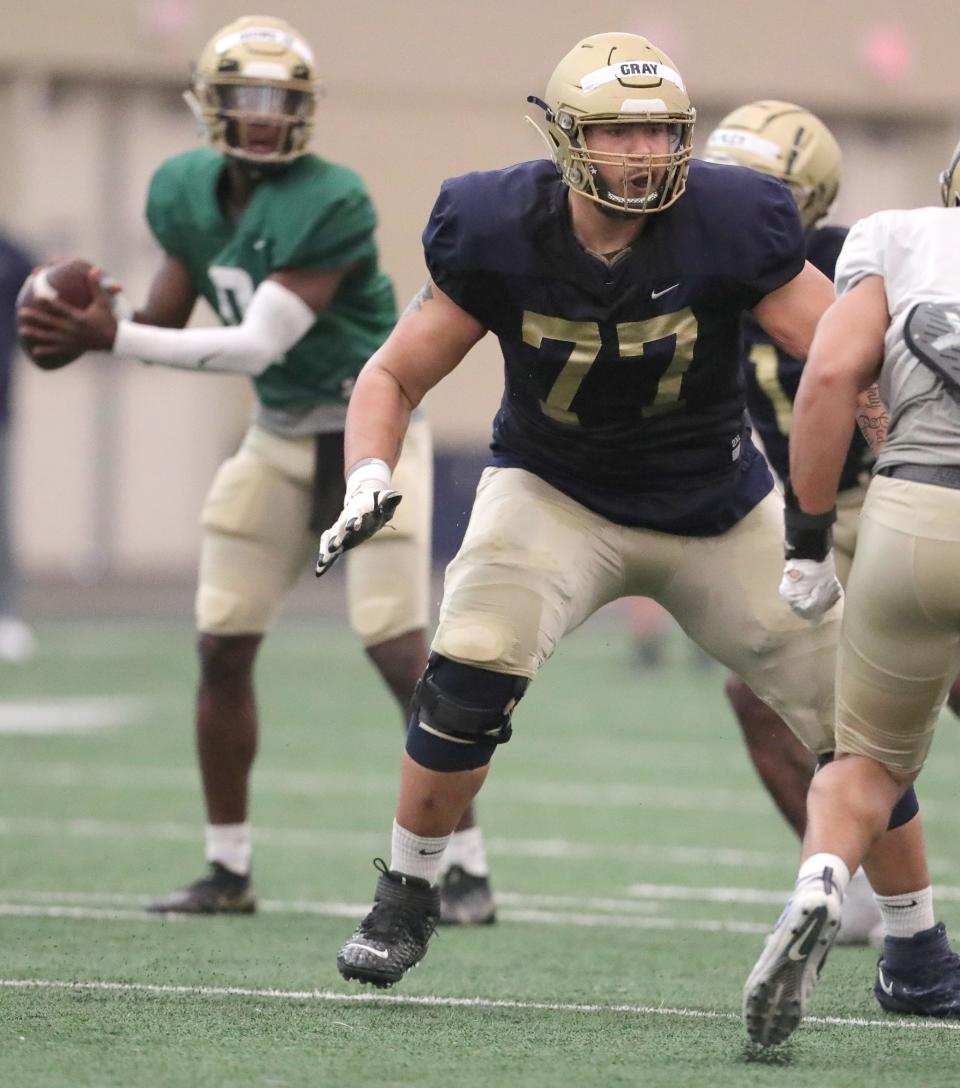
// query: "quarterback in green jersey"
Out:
[280,244]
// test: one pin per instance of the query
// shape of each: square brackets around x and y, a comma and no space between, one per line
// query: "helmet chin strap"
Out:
[612,211]
[618,207]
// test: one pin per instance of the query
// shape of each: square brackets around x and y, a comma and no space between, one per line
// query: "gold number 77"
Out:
[632,338]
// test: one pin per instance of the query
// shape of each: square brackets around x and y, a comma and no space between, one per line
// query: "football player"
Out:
[280,243]
[787,142]
[897,316]
[615,278]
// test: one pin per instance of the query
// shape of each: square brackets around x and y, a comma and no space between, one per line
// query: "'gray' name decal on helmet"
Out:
[630,69]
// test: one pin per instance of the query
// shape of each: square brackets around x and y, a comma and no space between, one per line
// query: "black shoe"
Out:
[219,892]
[919,975]
[394,935]
[465,899]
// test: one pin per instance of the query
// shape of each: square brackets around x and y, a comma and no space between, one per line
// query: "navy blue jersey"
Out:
[15,266]
[623,385]
[772,377]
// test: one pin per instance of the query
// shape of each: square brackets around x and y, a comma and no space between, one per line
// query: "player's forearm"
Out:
[274,321]
[377,418]
[842,365]
[171,296]
[823,419]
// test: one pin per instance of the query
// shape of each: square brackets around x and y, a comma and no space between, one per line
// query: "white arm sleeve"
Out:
[274,321]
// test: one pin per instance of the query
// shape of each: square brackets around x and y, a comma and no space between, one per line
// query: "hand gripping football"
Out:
[68,280]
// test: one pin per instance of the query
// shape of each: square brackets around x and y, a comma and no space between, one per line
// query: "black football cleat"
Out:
[219,892]
[394,935]
[919,975]
[465,899]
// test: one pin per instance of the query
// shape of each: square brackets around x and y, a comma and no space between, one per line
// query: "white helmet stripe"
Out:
[630,69]
[644,105]
[736,138]
[265,34]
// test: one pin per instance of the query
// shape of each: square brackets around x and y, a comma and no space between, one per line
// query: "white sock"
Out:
[813,868]
[467,849]
[231,845]
[906,915]
[415,855]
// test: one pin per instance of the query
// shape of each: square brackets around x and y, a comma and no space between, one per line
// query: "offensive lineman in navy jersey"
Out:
[621,461]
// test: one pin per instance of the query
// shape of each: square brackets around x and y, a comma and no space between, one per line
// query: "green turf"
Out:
[614,778]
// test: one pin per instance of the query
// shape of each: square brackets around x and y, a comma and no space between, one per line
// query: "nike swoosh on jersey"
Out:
[887,987]
[657,294]
[366,948]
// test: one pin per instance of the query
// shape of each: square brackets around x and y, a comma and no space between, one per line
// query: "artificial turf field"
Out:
[637,864]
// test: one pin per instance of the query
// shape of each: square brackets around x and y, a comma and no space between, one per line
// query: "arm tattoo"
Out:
[425,294]
[874,429]
[872,418]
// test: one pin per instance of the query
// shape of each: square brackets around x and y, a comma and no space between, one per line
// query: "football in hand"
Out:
[68,280]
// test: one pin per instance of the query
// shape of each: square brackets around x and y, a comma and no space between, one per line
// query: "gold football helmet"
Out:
[786,142]
[617,79]
[254,90]
[950,181]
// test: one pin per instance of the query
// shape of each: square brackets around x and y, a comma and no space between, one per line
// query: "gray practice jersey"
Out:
[918,255]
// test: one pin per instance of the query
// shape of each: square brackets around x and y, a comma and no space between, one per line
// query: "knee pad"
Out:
[903,811]
[460,713]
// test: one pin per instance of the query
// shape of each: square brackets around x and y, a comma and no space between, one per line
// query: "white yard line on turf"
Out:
[310,906]
[81,714]
[83,914]
[517,906]
[291,783]
[127,777]
[354,911]
[339,842]
[450,1002]
[344,842]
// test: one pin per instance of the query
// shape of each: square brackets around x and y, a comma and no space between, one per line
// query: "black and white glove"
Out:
[369,504]
[809,583]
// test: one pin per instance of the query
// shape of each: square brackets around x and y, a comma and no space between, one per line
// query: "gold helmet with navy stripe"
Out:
[787,142]
[617,79]
[254,90]
[950,181]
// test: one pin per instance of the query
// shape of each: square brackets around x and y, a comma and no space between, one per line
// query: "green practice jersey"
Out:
[312,215]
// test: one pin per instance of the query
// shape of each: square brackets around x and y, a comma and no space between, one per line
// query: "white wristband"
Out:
[370,474]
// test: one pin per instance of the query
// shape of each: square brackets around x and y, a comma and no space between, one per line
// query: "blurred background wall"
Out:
[113,458]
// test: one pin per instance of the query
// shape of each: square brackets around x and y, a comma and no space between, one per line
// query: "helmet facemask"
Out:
[626,184]
[950,181]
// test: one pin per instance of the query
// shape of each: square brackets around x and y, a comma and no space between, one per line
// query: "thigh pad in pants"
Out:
[533,564]
[255,537]
[900,645]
